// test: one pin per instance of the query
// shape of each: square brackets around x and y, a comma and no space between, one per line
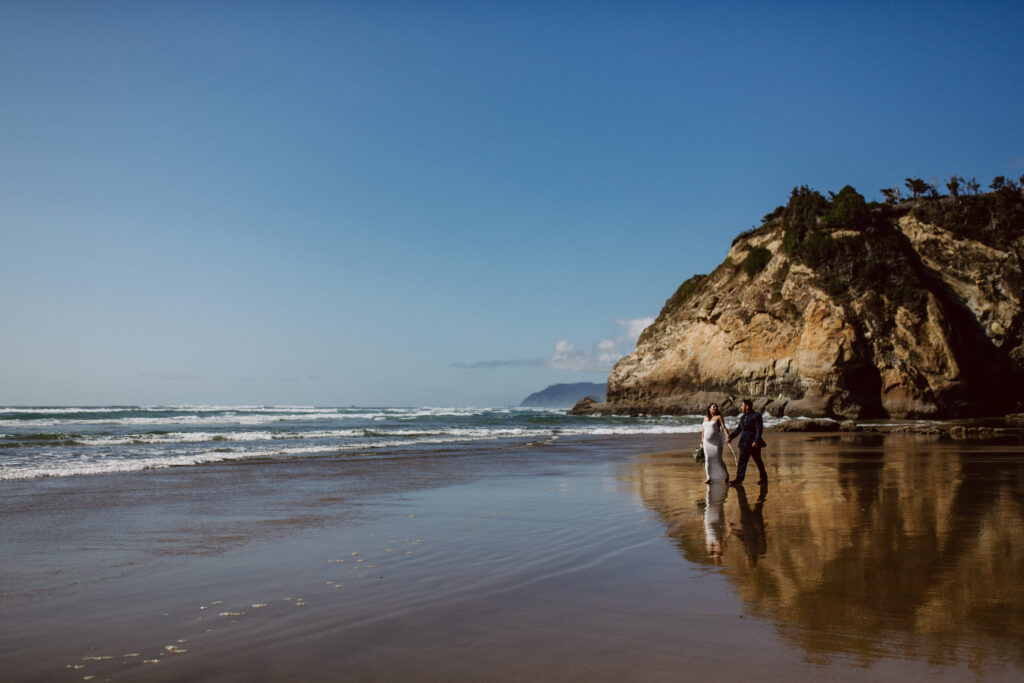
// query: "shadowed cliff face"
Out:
[867,547]
[899,318]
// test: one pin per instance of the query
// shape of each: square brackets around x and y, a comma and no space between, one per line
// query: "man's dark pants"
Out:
[747,451]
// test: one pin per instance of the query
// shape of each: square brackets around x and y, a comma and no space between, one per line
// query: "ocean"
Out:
[75,441]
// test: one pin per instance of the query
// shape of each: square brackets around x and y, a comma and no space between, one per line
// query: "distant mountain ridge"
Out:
[564,395]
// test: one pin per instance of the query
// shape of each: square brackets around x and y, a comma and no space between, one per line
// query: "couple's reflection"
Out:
[751,526]
[860,562]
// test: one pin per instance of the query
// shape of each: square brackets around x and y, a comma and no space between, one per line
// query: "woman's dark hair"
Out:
[708,413]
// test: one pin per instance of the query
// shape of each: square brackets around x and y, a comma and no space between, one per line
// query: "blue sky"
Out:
[445,203]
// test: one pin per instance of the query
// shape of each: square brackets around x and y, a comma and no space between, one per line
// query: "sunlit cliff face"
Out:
[923,322]
[864,547]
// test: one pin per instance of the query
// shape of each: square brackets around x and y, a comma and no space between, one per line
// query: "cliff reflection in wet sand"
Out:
[865,546]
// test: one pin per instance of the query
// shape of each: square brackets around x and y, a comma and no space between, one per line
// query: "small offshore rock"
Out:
[586,406]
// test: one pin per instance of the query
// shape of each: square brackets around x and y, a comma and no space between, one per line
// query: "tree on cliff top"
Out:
[994,218]
[917,186]
[954,187]
[849,210]
[891,194]
[800,217]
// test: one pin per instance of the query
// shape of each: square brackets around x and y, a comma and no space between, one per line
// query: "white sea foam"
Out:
[55,411]
[122,438]
[61,463]
[65,467]
[358,433]
[220,415]
[200,437]
[107,466]
[631,429]
[172,420]
[65,410]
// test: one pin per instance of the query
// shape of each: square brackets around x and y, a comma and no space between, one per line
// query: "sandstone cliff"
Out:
[843,309]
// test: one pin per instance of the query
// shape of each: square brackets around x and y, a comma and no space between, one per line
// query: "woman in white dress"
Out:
[713,441]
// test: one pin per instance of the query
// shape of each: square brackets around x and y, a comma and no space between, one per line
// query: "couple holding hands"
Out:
[749,431]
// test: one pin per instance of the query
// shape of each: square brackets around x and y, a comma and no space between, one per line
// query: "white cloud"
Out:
[600,357]
[635,327]
[509,363]
[568,357]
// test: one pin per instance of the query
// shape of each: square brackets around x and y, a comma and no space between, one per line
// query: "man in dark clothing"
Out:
[749,431]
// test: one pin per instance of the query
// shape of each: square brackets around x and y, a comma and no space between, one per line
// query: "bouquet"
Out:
[698,455]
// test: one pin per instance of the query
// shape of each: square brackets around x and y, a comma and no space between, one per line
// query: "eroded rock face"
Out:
[952,348]
[988,281]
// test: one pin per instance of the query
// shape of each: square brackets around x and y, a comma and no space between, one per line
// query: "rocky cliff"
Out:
[835,307]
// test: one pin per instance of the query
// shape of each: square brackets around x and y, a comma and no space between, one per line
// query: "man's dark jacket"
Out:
[749,429]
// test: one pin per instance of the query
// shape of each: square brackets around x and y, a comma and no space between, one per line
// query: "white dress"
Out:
[714,465]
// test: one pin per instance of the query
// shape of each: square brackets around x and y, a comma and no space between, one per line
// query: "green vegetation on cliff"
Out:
[995,218]
[868,254]
[855,247]
[683,292]
[674,302]
[757,258]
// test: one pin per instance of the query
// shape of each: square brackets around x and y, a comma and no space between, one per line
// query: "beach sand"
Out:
[867,557]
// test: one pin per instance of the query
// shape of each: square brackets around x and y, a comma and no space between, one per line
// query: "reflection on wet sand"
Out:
[865,546]
[714,520]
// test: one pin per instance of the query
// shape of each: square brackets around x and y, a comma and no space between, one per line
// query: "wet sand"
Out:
[867,557]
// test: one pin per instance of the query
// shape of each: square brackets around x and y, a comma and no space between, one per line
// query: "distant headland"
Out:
[564,395]
[839,307]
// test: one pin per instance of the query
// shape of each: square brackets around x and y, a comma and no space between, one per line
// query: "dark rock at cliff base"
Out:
[982,432]
[979,428]
[843,309]
[806,426]
[564,395]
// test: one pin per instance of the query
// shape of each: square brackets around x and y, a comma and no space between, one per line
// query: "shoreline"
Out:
[596,559]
